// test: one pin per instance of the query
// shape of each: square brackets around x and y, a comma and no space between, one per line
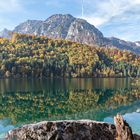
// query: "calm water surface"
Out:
[28,101]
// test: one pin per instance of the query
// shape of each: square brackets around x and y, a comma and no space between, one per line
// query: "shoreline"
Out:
[61,77]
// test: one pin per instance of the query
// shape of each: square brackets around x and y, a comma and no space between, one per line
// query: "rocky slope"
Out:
[71,28]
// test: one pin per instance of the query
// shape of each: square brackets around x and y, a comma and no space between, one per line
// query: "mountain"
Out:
[5,33]
[122,44]
[63,26]
[71,28]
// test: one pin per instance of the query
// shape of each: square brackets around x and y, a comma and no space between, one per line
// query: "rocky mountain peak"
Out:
[60,16]
[57,25]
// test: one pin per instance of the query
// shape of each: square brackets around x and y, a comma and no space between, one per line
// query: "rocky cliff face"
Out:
[71,28]
[57,26]
[83,32]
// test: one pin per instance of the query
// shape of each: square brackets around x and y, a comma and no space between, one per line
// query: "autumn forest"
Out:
[40,57]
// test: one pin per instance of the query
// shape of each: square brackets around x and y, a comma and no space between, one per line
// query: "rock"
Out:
[123,129]
[74,130]
[64,130]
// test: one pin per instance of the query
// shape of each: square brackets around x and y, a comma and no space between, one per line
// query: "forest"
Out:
[41,57]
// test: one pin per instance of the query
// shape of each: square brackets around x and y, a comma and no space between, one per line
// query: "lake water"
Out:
[29,101]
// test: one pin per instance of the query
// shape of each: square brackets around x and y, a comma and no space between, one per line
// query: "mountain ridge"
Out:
[73,29]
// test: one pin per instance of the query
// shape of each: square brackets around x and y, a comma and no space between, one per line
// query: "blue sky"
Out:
[119,18]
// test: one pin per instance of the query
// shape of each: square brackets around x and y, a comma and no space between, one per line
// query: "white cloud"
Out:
[118,18]
[10,6]
[136,1]
[99,12]
[10,11]
[96,21]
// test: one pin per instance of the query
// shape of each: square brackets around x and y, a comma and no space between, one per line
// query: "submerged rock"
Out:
[73,130]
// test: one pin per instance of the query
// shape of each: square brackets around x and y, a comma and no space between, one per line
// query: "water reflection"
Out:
[14,85]
[27,101]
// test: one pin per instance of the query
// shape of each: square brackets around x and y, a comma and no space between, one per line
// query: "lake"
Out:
[32,100]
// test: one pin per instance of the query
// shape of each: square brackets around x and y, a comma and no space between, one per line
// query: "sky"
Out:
[118,18]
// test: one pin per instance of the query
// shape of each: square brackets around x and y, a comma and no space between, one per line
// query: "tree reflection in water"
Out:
[27,101]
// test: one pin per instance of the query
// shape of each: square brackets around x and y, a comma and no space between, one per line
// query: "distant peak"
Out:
[5,29]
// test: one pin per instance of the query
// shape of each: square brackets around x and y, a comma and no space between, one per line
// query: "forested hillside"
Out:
[37,57]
